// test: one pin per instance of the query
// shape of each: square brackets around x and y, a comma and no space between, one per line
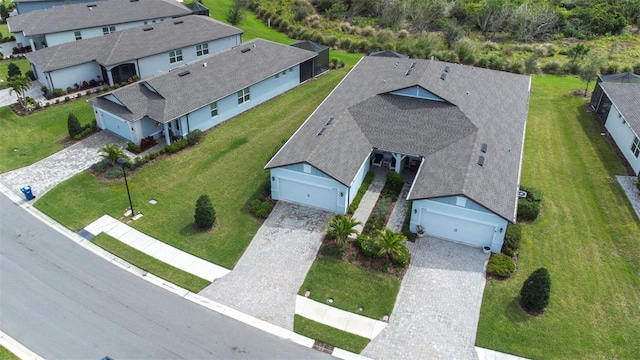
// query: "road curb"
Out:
[16,348]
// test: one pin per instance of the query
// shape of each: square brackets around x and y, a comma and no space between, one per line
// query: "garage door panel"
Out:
[457,229]
[302,193]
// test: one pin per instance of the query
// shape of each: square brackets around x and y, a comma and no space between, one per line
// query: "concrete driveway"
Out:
[437,310]
[266,279]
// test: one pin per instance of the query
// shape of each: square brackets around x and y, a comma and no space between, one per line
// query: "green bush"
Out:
[500,265]
[205,214]
[363,189]
[57,92]
[261,209]
[73,126]
[30,75]
[394,185]
[13,71]
[86,131]
[512,238]
[528,210]
[133,147]
[536,290]
[176,146]
[101,166]
[552,67]
[533,194]
[194,136]
[368,245]
[114,172]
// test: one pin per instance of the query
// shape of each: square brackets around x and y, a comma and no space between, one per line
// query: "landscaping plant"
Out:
[500,265]
[112,152]
[205,213]
[340,227]
[73,125]
[535,292]
[392,244]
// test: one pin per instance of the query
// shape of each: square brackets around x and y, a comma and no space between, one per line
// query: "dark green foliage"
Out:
[73,126]
[4,12]
[500,265]
[261,209]
[30,74]
[133,147]
[112,152]
[194,136]
[57,92]
[369,246]
[235,14]
[608,69]
[363,189]
[341,227]
[392,244]
[333,250]
[176,146]
[528,210]
[114,172]
[101,166]
[394,185]
[533,194]
[512,238]
[13,71]
[552,67]
[636,68]
[536,290]
[205,214]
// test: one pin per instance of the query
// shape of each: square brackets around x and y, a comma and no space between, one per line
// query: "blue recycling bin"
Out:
[27,192]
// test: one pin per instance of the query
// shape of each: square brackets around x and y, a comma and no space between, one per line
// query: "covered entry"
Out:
[308,194]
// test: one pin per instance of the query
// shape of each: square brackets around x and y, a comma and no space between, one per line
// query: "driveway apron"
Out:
[51,171]
[266,279]
[437,310]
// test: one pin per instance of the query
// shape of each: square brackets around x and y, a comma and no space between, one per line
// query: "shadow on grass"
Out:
[514,313]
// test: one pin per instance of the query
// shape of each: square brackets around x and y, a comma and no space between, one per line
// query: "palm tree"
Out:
[20,86]
[392,244]
[340,227]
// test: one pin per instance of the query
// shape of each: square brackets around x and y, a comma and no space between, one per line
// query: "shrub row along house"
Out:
[143,51]
[460,128]
[61,24]
[616,99]
[204,93]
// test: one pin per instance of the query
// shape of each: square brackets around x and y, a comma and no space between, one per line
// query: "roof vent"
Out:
[322,131]
[133,0]
[413,64]
[184,73]
[481,160]
[147,28]
[483,148]
[408,72]
[245,50]
[329,121]
[204,64]
[178,22]
[91,6]
[396,64]
[443,76]
[446,68]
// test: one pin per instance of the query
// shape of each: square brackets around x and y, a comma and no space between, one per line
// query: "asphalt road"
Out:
[64,302]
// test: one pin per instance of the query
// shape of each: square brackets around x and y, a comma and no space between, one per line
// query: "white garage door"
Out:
[306,194]
[456,229]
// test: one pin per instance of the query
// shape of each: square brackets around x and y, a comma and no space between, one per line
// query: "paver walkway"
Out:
[628,184]
[265,281]
[370,198]
[51,171]
[157,249]
[438,306]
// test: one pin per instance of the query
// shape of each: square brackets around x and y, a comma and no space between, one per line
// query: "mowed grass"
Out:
[227,165]
[587,236]
[351,287]
[5,354]
[150,264]
[23,64]
[330,335]
[25,140]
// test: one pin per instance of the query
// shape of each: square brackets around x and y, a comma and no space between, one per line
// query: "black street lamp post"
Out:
[123,163]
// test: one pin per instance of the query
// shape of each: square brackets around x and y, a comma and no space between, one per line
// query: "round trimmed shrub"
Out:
[205,213]
[512,239]
[536,290]
[500,265]
[528,210]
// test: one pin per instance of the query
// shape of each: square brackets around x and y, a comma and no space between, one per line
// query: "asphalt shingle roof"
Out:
[626,97]
[208,79]
[134,43]
[481,107]
[101,13]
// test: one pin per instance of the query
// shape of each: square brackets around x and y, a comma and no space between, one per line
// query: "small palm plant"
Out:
[340,227]
[392,244]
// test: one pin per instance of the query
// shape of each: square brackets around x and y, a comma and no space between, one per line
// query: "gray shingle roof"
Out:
[224,74]
[107,12]
[482,107]
[131,44]
[626,97]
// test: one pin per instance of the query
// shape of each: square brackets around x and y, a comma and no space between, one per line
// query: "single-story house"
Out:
[143,51]
[202,94]
[619,105]
[61,24]
[459,128]
[600,103]
[25,6]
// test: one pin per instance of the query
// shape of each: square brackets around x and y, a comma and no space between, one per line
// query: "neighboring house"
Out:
[61,24]
[143,51]
[600,103]
[459,128]
[197,8]
[619,105]
[25,6]
[202,94]
[321,63]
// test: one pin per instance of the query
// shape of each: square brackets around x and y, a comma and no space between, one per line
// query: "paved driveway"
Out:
[437,309]
[266,279]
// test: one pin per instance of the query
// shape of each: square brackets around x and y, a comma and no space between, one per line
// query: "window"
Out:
[243,95]
[78,35]
[635,147]
[277,75]
[214,109]
[202,49]
[284,73]
[108,30]
[290,69]
[175,56]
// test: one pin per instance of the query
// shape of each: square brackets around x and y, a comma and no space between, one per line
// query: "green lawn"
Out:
[587,236]
[23,64]
[150,264]
[330,335]
[227,165]
[7,355]
[25,140]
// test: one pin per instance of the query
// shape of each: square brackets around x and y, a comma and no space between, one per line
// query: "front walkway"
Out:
[265,281]
[628,184]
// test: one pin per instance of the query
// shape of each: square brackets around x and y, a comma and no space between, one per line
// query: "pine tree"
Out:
[535,292]
[73,125]
[205,213]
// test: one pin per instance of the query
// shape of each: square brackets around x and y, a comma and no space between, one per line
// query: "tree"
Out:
[589,72]
[535,292]
[533,21]
[452,33]
[340,227]
[112,152]
[13,71]
[577,52]
[235,14]
[20,86]
[392,244]
[73,125]
[205,213]
[4,12]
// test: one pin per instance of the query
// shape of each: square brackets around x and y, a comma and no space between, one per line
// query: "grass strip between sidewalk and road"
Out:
[150,264]
[330,335]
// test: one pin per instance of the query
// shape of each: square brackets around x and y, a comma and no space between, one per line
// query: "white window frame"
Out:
[175,56]
[244,95]
[635,147]
[202,49]
[214,109]
[77,35]
[108,30]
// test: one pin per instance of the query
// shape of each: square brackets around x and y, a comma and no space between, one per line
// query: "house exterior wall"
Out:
[623,135]
[67,77]
[114,124]
[21,40]
[42,76]
[313,181]
[25,7]
[359,178]
[464,214]
[69,36]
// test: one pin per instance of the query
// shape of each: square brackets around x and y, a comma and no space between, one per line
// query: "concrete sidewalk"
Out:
[157,249]
[370,198]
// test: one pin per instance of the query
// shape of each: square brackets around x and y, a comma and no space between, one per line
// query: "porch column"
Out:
[166,133]
[399,158]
